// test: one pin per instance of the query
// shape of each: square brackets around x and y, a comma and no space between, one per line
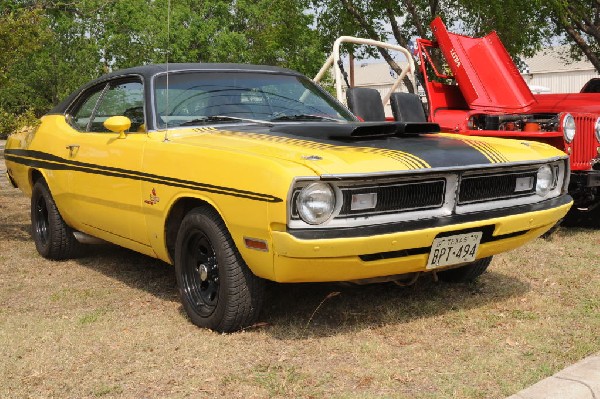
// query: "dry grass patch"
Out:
[109,324]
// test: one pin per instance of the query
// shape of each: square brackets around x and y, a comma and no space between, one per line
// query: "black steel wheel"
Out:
[465,273]
[53,238]
[217,289]
[200,272]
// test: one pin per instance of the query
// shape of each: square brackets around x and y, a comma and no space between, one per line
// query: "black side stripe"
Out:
[38,159]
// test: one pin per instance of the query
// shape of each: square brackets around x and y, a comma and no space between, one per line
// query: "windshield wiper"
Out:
[304,117]
[222,118]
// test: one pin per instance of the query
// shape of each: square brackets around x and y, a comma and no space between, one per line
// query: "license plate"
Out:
[453,250]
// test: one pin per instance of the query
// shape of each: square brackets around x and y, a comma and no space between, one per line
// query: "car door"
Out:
[105,185]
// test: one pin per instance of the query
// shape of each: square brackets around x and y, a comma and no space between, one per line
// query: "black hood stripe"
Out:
[38,159]
[490,152]
[434,151]
[410,161]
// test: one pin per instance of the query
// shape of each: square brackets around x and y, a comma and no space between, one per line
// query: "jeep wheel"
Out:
[53,238]
[582,218]
[217,289]
[465,273]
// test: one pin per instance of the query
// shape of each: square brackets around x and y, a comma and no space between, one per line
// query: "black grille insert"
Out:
[495,187]
[397,197]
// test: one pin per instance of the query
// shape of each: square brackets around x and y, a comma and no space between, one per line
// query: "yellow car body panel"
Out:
[126,196]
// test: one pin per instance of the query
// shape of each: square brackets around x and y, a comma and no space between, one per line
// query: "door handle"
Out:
[71,148]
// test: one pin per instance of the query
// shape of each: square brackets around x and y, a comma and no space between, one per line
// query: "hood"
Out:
[484,71]
[301,144]
[568,102]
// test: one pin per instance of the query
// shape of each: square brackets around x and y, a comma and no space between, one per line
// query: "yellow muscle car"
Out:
[238,174]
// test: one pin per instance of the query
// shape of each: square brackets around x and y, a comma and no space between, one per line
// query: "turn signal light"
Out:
[255,243]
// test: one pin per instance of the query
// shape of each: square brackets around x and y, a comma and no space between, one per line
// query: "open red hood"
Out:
[484,71]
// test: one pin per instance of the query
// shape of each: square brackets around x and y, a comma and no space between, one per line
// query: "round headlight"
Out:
[544,181]
[316,203]
[597,129]
[568,126]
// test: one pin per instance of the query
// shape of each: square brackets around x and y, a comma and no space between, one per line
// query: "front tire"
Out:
[53,239]
[217,289]
[466,273]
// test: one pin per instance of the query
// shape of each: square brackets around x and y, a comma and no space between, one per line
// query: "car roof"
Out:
[148,71]
[153,69]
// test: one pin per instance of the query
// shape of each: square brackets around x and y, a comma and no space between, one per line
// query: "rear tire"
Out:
[465,273]
[53,239]
[217,289]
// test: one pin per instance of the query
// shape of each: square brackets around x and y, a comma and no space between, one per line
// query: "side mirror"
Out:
[118,124]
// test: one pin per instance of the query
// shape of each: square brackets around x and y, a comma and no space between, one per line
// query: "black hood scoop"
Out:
[356,130]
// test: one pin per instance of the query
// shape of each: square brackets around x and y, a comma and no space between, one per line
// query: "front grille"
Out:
[584,146]
[397,197]
[493,187]
[385,200]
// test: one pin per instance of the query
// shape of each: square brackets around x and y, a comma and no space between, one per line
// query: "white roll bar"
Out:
[335,57]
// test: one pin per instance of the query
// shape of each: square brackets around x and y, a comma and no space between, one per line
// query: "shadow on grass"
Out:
[15,232]
[576,230]
[300,311]
[134,269]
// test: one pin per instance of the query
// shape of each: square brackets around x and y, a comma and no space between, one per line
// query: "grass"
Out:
[109,325]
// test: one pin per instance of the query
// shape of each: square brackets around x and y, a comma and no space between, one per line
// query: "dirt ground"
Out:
[109,324]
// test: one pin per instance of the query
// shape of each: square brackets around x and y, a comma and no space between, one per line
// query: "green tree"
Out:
[21,35]
[50,47]
[14,48]
[578,24]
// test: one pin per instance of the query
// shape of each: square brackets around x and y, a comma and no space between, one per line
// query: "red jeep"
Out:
[482,93]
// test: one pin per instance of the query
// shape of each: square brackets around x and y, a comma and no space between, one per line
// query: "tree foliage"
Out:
[578,23]
[48,48]
[523,26]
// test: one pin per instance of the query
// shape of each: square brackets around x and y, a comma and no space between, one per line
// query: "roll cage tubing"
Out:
[423,45]
[334,58]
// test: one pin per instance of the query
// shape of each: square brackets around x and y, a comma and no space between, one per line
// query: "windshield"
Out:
[196,98]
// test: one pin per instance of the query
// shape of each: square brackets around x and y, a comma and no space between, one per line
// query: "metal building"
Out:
[554,69]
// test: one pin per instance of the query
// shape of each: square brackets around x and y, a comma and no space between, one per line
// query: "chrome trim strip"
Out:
[481,218]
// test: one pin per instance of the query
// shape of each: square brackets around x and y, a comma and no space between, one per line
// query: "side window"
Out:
[126,99]
[82,116]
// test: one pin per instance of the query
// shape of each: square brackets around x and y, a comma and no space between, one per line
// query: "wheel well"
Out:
[35,175]
[176,215]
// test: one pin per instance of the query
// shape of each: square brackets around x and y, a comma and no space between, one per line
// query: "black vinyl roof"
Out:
[148,71]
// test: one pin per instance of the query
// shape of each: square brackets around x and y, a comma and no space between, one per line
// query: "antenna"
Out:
[168,51]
